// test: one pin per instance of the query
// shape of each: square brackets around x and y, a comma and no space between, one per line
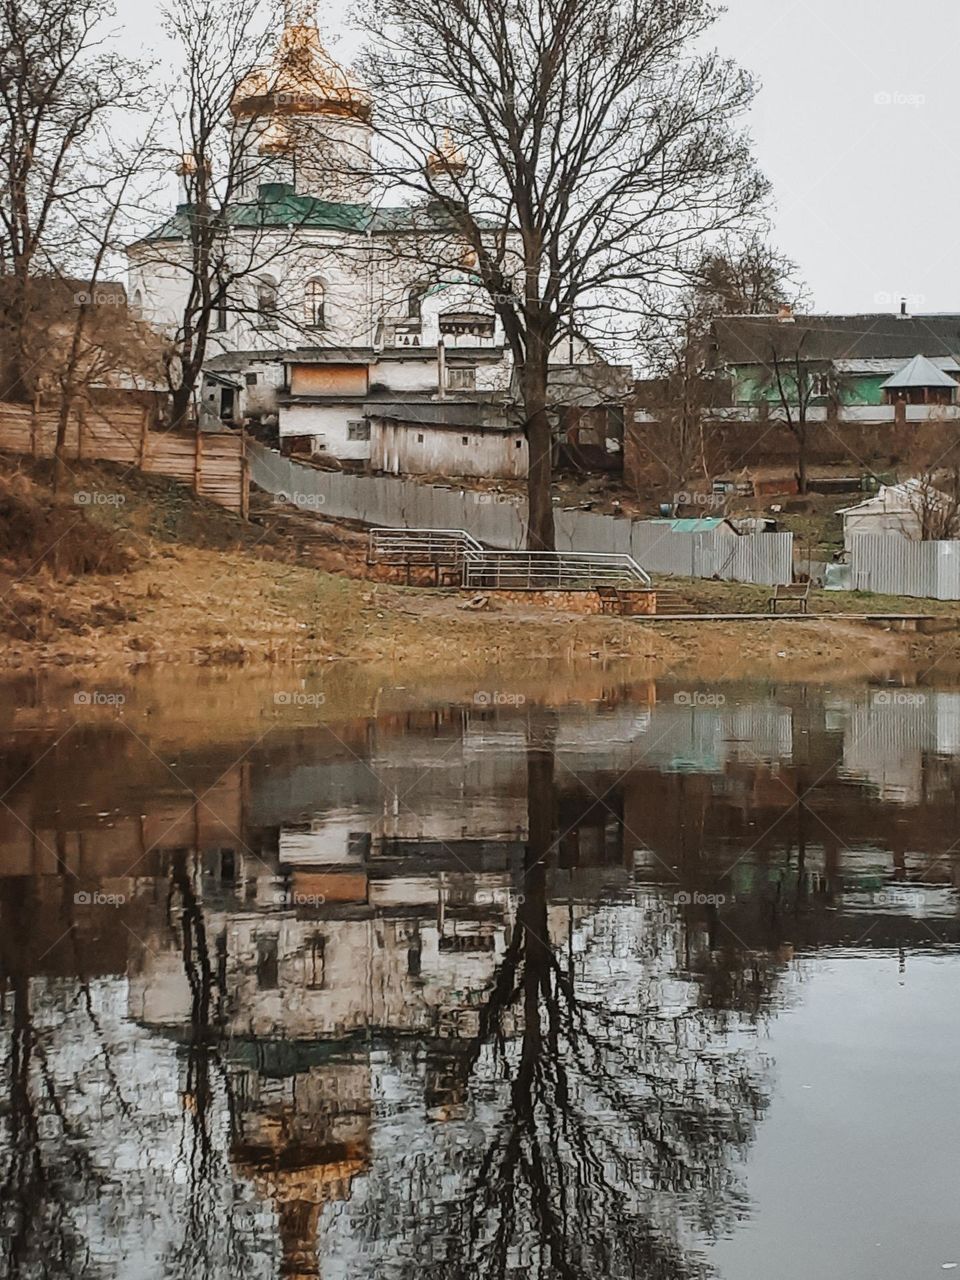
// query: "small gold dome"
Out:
[447,159]
[303,79]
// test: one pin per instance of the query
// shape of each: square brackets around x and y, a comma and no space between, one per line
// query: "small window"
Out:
[221,316]
[316,304]
[268,972]
[359,430]
[462,379]
[821,384]
[267,301]
[520,443]
[137,305]
[316,962]
[250,379]
[420,438]
[415,299]
[464,439]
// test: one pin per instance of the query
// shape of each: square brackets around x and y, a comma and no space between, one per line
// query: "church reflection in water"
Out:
[462,992]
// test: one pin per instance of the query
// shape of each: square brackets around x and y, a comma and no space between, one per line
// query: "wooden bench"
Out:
[797,593]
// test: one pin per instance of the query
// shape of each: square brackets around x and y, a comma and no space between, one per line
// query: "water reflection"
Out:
[461,991]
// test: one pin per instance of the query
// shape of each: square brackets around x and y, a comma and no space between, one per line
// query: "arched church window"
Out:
[221,308]
[316,303]
[415,297]
[267,301]
[136,305]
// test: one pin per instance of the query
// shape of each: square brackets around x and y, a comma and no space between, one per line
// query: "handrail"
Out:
[431,546]
[557,570]
[510,570]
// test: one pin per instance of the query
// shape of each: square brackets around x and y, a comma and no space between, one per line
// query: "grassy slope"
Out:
[200,585]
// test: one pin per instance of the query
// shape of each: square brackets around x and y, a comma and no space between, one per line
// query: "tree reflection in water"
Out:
[582,1122]
[618,1105]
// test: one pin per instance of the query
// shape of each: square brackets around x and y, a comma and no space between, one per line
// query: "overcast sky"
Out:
[857,125]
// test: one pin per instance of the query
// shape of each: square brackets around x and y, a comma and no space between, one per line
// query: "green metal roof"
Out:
[694,524]
[280,206]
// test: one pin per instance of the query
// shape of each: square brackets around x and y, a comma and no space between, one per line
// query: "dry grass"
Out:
[193,583]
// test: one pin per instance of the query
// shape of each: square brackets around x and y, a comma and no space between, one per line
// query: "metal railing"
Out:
[553,570]
[506,570]
[422,546]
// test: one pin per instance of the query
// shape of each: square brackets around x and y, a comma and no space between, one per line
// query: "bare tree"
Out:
[932,454]
[794,380]
[597,145]
[61,85]
[236,241]
[732,278]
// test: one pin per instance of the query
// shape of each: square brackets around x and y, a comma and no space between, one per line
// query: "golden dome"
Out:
[303,79]
[447,159]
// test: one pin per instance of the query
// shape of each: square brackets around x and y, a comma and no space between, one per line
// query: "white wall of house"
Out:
[401,448]
[329,425]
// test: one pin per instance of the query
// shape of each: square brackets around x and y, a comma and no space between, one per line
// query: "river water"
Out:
[596,980]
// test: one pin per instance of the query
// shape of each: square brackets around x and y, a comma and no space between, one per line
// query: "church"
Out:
[334,329]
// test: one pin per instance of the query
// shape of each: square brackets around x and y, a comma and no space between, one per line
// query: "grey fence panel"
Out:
[500,521]
[890,564]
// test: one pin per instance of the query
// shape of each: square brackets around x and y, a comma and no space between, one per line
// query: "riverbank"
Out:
[122,570]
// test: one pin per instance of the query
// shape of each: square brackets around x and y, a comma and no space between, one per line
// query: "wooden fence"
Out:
[213,464]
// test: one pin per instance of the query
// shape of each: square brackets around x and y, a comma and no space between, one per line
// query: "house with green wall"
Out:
[840,362]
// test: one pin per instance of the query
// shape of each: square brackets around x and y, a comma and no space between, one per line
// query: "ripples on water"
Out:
[658,986]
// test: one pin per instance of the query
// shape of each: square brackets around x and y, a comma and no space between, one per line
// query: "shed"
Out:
[894,509]
[446,437]
[920,381]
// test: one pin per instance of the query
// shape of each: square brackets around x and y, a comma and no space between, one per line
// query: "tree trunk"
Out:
[540,529]
[180,404]
[801,457]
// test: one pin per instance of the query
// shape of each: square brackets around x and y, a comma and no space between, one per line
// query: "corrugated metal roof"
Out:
[890,364]
[920,372]
[747,340]
[696,524]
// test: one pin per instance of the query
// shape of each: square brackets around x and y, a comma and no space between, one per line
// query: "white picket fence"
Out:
[890,564]
[500,521]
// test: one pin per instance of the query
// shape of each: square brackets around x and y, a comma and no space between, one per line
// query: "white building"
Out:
[333,310]
[901,509]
